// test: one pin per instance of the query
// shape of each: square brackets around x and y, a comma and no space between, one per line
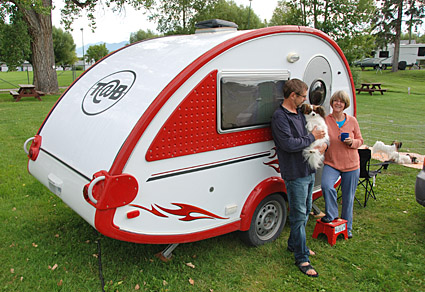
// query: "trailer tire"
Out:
[267,222]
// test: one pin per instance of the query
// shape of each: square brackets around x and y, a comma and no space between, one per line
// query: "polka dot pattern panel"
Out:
[192,127]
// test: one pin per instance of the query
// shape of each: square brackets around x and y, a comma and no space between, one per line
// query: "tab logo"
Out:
[106,92]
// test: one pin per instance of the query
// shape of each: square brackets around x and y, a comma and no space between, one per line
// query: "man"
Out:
[291,137]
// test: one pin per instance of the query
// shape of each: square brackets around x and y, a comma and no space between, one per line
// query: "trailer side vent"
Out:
[215,25]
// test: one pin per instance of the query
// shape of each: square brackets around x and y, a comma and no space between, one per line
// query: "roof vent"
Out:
[214,25]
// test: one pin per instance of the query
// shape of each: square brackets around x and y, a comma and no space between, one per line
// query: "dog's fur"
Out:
[400,158]
[392,152]
[380,147]
[315,116]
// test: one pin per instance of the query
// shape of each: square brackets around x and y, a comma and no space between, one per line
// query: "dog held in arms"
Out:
[315,116]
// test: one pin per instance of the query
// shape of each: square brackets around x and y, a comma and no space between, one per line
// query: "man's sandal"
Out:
[306,268]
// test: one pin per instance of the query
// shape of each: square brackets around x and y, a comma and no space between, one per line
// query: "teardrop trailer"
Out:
[168,140]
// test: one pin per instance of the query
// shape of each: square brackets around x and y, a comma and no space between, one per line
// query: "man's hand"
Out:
[318,134]
[322,148]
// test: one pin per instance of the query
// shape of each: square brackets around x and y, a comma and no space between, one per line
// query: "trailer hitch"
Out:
[34,148]
[107,191]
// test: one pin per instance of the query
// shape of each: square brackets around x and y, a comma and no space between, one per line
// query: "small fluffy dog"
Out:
[392,152]
[380,147]
[400,158]
[315,116]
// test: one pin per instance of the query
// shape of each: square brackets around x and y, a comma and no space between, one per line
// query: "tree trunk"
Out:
[397,37]
[43,57]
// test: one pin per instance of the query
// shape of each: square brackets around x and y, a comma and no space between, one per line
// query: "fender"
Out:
[267,187]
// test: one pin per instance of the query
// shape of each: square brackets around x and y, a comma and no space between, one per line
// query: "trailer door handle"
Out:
[34,148]
[26,143]
[90,188]
[107,191]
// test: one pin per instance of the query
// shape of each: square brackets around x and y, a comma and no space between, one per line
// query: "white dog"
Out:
[380,147]
[315,116]
[392,152]
[400,158]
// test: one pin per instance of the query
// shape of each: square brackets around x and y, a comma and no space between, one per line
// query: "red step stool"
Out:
[332,229]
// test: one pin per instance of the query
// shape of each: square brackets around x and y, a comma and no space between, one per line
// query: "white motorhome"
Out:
[168,140]
[411,54]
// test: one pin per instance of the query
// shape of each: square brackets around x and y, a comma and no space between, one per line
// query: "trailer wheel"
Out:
[267,222]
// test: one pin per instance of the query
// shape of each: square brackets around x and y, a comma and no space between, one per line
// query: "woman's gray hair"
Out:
[341,95]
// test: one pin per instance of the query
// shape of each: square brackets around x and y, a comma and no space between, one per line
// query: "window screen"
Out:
[249,100]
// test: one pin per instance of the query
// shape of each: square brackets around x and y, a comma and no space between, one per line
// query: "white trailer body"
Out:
[168,140]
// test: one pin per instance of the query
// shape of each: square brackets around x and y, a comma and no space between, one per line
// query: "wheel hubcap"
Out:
[268,220]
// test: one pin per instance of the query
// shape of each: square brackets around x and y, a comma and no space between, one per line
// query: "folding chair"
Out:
[367,176]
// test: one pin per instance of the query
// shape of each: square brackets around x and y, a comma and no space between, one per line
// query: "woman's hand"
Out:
[348,141]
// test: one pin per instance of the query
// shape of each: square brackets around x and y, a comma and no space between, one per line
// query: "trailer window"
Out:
[317,92]
[384,54]
[421,51]
[248,101]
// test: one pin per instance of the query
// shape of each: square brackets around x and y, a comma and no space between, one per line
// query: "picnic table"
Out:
[26,90]
[371,87]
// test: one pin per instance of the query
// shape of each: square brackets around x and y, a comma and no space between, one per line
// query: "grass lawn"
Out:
[10,80]
[45,246]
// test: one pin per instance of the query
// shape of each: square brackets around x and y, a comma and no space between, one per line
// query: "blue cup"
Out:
[344,136]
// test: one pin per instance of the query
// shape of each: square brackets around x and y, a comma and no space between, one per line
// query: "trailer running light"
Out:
[133,214]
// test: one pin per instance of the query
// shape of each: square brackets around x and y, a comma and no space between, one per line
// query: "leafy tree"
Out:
[64,48]
[346,21]
[96,52]
[389,20]
[14,41]
[243,16]
[413,37]
[176,16]
[37,15]
[287,13]
[142,35]
[180,16]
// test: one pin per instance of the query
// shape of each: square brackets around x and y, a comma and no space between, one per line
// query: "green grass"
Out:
[39,230]
[10,80]
[396,115]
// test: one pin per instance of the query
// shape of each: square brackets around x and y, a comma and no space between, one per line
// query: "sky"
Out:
[115,28]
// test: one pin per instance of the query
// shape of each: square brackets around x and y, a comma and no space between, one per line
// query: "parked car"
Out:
[420,187]
[374,63]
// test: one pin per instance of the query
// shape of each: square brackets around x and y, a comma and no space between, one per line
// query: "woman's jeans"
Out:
[349,182]
[300,200]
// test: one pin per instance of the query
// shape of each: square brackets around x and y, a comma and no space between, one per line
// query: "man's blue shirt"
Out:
[291,137]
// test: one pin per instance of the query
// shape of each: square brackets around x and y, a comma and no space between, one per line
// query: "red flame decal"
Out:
[153,211]
[186,210]
[274,164]
[273,153]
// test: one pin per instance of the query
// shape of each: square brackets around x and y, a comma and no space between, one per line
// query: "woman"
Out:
[341,159]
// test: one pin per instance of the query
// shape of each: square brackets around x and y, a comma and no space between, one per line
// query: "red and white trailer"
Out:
[168,140]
